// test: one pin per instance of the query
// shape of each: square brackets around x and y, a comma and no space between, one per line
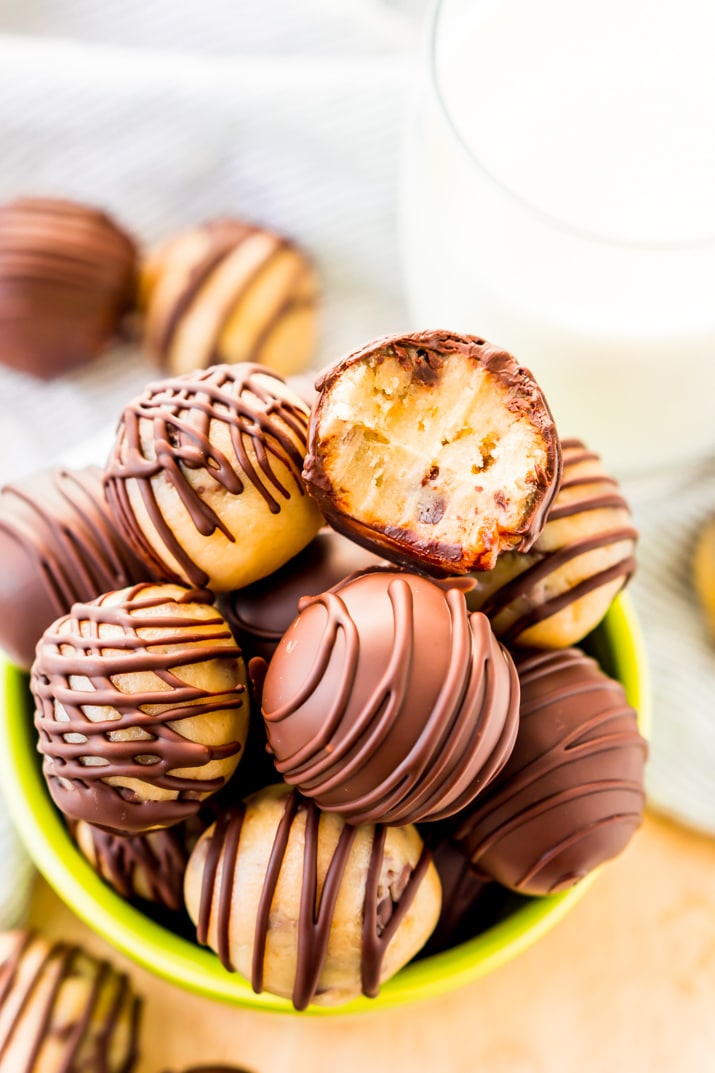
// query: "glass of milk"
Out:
[558,199]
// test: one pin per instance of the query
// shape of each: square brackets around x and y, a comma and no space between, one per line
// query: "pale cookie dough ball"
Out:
[704,572]
[553,595]
[229,291]
[62,1010]
[255,879]
[433,448]
[205,476]
[141,707]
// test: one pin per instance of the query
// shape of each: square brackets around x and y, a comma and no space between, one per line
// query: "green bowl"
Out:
[616,643]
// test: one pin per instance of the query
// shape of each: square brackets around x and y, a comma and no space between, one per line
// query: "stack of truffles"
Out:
[306,670]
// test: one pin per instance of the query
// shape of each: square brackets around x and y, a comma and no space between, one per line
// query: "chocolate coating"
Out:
[229,291]
[571,794]
[58,545]
[67,278]
[387,701]
[382,913]
[150,867]
[560,591]
[435,533]
[107,728]
[62,1011]
[259,614]
[468,900]
[187,449]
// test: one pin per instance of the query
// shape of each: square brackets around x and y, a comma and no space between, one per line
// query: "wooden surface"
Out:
[625,983]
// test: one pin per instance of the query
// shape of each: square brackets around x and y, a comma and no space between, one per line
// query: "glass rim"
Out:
[546,217]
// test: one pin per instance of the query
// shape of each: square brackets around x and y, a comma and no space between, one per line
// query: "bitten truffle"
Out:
[553,595]
[571,794]
[68,276]
[229,291]
[62,1010]
[58,545]
[141,707]
[435,449]
[306,906]
[387,701]
[205,476]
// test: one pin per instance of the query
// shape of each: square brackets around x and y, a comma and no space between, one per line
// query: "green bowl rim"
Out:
[198,969]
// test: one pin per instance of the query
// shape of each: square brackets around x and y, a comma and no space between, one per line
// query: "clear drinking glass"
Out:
[558,198]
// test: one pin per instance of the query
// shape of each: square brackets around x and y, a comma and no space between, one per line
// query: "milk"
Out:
[558,198]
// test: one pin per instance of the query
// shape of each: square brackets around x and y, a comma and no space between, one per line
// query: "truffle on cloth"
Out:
[68,276]
[229,291]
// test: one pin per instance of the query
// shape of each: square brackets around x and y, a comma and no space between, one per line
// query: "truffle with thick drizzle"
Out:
[62,1010]
[556,593]
[387,701]
[141,707]
[205,476]
[229,291]
[572,794]
[306,906]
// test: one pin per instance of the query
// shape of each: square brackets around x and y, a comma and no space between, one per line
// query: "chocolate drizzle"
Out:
[81,754]
[166,435]
[406,712]
[520,602]
[87,1043]
[572,791]
[58,545]
[315,914]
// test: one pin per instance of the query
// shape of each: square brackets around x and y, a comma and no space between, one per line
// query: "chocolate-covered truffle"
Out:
[571,794]
[229,291]
[58,545]
[387,701]
[306,906]
[141,707]
[150,867]
[205,476]
[433,448]
[62,1010]
[67,278]
[555,594]
[259,614]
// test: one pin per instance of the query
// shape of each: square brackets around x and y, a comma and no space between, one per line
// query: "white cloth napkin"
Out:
[290,114]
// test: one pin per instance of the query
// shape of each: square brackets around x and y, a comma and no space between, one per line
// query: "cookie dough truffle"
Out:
[150,867]
[433,448]
[67,278]
[307,907]
[63,1010]
[141,707]
[555,594]
[704,573]
[259,614]
[387,701]
[571,794]
[205,476]
[58,545]
[229,291]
